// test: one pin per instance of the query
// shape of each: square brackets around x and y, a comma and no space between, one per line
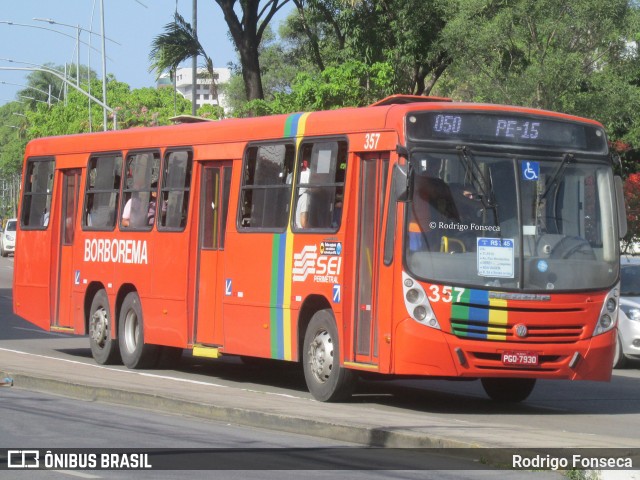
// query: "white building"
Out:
[204,93]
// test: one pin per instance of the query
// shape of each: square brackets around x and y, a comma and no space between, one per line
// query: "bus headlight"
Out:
[608,314]
[416,302]
[420,313]
[413,295]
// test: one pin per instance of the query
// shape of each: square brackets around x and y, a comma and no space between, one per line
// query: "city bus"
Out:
[416,237]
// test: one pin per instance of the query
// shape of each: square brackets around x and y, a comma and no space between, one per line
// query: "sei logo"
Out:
[328,265]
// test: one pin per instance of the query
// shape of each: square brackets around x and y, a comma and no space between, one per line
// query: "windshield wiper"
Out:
[558,174]
[477,177]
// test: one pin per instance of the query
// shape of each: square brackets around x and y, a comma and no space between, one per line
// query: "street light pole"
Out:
[67,82]
[48,94]
[104,56]
[104,67]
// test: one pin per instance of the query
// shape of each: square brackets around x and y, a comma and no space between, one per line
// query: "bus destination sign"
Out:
[530,131]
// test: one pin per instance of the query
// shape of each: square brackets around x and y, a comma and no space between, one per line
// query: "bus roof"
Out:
[386,114]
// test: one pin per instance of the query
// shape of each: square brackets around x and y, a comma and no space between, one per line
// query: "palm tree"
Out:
[174,46]
[178,43]
[181,42]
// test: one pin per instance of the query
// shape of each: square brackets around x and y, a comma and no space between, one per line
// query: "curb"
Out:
[371,437]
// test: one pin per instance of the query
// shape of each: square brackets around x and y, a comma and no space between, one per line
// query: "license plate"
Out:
[520,358]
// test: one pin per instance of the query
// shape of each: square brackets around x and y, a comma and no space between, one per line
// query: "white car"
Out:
[629,318]
[8,238]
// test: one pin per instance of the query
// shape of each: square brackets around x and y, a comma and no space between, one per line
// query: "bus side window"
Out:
[266,187]
[36,197]
[102,192]
[320,187]
[176,185]
[138,202]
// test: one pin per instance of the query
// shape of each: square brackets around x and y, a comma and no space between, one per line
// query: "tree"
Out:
[45,87]
[632,200]
[180,42]
[534,53]
[135,108]
[13,137]
[352,84]
[247,35]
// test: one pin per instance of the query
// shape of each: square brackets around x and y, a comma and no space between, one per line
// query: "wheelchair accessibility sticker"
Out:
[530,170]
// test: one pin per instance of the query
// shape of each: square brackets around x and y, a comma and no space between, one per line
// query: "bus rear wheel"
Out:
[508,390]
[326,379]
[104,348]
[134,352]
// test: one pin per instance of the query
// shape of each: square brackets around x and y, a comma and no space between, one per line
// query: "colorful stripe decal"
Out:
[276,312]
[481,317]
[282,340]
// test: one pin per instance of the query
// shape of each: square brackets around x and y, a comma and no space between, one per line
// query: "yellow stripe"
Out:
[496,337]
[363,366]
[55,328]
[498,317]
[288,260]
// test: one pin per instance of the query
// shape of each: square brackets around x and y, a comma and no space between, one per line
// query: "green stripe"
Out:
[273,316]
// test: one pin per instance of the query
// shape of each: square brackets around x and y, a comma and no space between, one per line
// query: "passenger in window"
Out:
[337,211]
[304,197]
[153,201]
[134,213]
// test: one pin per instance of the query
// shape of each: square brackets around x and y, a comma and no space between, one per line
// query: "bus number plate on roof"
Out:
[520,358]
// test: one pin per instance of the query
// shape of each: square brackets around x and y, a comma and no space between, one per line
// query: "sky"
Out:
[133,24]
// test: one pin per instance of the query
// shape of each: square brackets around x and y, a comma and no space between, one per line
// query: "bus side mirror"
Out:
[399,193]
[622,212]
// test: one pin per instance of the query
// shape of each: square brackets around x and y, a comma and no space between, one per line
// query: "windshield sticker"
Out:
[495,257]
[530,171]
[330,248]
[543,266]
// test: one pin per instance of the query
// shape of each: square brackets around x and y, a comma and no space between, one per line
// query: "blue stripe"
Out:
[282,247]
[291,129]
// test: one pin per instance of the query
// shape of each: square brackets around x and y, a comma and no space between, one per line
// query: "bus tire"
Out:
[508,390]
[134,352]
[104,348]
[326,379]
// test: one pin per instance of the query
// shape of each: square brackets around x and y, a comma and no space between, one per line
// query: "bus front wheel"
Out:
[511,390]
[104,348]
[134,352]
[326,379]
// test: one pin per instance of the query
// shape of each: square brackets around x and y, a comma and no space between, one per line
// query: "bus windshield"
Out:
[514,222]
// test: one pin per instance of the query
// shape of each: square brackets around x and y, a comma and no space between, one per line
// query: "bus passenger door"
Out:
[373,180]
[214,204]
[63,318]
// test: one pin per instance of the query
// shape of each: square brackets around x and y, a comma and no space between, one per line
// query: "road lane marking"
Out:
[77,474]
[146,374]
[102,367]
[37,330]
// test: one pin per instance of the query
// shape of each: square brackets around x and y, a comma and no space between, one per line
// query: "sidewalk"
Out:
[357,423]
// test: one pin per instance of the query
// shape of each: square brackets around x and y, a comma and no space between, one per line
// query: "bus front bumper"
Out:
[424,351]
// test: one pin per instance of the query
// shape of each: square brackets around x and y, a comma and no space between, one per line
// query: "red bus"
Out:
[409,238]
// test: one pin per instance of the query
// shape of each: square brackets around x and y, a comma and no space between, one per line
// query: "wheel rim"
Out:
[321,356]
[131,331]
[99,328]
